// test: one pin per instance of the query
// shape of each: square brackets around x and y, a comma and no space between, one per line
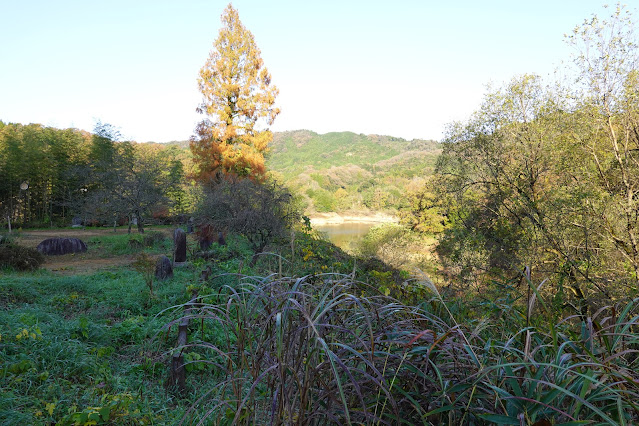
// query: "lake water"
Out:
[343,235]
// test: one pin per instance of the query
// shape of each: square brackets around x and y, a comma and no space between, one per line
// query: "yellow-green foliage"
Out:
[145,265]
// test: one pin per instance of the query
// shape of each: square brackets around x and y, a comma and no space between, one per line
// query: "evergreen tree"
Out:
[238,100]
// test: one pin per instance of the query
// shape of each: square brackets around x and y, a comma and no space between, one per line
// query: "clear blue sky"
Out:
[401,68]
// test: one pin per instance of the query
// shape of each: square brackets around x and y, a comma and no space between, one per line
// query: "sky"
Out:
[401,68]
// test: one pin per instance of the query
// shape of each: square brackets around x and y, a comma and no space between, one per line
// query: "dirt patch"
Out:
[77,263]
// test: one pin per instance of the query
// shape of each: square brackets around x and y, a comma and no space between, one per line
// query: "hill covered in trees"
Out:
[332,172]
[348,171]
[340,171]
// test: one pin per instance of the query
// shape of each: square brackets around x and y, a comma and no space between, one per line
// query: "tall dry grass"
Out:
[327,349]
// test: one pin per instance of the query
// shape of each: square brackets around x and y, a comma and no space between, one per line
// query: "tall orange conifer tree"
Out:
[238,100]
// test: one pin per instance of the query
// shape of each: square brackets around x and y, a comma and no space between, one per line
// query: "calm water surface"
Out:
[345,234]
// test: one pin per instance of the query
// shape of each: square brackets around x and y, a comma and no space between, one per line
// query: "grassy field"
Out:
[82,340]
[82,335]
[310,335]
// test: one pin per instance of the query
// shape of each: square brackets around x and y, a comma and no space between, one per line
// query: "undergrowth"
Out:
[15,256]
[309,335]
[326,348]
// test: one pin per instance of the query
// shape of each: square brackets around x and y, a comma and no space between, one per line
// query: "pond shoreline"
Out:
[321,219]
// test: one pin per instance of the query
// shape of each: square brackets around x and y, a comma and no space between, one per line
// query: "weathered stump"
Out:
[179,251]
[177,372]
[59,246]
[205,244]
[163,268]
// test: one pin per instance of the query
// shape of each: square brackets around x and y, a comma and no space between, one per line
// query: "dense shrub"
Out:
[151,239]
[380,236]
[154,238]
[19,257]
[394,244]
[261,212]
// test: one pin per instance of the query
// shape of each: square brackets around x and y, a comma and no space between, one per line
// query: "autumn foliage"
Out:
[238,100]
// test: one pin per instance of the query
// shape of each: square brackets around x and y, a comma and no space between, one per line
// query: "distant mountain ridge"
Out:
[297,149]
[341,171]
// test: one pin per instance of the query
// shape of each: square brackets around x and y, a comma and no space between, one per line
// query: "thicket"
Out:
[326,348]
[261,212]
[15,256]
[545,176]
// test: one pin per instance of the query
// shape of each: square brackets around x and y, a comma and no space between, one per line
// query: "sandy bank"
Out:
[319,219]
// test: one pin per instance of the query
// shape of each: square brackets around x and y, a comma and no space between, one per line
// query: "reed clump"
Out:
[327,348]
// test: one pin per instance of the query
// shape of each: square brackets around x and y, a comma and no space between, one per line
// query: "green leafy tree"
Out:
[546,177]
[421,210]
[123,180]
[607,62]
[261,212]
[238,100]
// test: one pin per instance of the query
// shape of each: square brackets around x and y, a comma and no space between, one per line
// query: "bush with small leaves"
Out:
[19,257]
[145,265]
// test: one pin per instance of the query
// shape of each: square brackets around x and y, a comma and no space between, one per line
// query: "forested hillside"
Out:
[348,171]
[66,170]
[340,171]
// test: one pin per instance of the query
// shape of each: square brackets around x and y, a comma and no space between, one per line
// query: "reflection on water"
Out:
[343,235]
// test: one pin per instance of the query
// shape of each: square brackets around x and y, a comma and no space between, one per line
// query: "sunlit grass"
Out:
[307,336]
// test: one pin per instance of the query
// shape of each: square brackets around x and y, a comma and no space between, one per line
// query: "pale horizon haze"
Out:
[403,68]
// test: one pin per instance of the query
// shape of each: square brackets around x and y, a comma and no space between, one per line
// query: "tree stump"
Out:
[59,246]
[179,240]
[163,268]
[177,372]
[205,244]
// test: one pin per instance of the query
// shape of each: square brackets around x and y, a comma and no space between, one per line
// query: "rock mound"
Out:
[163,268]
[58,246]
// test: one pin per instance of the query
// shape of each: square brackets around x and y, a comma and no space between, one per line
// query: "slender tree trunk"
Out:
[259,250]
[140,224]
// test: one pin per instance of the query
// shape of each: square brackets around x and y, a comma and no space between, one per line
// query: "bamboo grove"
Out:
[48,176]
